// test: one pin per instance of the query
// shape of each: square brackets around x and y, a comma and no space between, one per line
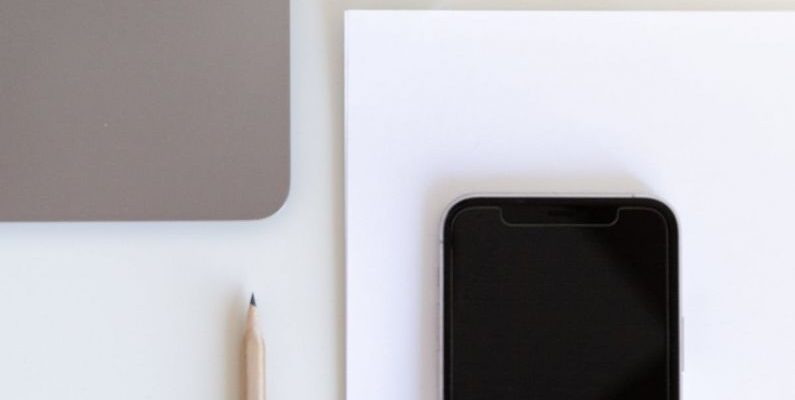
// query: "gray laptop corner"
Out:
[167,110]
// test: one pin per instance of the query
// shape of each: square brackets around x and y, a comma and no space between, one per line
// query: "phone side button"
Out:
[682,343]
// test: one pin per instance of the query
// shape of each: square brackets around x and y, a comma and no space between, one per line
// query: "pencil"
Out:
[254,356]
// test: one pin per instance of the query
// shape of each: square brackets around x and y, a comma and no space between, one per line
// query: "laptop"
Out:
[155,110]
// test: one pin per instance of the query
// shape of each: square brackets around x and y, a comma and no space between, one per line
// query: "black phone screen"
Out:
[560,299]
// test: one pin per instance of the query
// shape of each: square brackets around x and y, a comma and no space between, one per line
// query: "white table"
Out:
[154,310]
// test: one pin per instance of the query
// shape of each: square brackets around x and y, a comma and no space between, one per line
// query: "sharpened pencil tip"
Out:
[253,301]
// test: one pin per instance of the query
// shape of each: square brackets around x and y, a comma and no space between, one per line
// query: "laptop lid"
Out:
[153,110]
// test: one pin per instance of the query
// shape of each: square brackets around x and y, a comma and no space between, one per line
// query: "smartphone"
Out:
[560,299]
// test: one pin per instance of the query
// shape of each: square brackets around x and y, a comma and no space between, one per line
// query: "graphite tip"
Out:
[253,301]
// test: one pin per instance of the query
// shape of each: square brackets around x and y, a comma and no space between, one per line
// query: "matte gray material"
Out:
[143,110]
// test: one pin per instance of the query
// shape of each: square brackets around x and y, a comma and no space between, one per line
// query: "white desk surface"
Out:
[154,310]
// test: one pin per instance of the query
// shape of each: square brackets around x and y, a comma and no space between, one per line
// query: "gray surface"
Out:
[143,110]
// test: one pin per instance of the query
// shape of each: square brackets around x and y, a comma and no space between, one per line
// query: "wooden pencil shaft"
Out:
[254,355]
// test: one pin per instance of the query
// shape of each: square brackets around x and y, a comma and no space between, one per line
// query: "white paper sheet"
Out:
[696,108]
